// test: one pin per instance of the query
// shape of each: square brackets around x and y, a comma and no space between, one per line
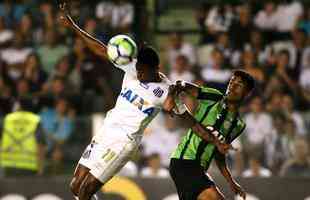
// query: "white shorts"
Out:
[106,157]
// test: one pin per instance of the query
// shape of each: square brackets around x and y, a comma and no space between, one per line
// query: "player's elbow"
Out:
[100,53]
[189,121]
[98,49]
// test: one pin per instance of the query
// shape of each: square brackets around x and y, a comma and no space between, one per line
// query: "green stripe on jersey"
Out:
[187,138]
[209,112]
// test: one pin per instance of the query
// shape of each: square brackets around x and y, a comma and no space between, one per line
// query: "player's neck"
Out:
[232,106]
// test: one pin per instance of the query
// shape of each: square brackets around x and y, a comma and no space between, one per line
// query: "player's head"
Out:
[147,63]
[240,86]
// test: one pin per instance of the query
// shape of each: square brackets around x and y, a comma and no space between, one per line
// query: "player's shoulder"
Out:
[165,82]
[127,68]
[210,90]
[165,79]
[161,89]
[210,94]
[130,64]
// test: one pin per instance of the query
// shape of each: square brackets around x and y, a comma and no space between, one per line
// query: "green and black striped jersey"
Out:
[212,110]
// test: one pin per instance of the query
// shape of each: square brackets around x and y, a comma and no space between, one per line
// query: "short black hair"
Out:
[247,78]
[148,56]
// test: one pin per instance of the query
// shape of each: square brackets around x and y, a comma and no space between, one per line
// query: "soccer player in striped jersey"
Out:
[193,156]
[145,91]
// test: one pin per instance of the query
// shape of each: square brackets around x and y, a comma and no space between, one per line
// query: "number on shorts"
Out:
[108,156]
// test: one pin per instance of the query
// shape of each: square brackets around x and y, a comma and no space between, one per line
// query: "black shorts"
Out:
[189,178]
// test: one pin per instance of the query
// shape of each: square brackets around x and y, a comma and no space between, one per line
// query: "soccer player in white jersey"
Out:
[144,92]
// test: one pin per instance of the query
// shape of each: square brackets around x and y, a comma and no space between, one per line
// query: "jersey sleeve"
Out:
[207,93]
[239,131]
[129,69]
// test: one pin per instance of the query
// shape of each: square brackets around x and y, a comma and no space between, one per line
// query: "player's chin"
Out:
[139,76]
[233,98]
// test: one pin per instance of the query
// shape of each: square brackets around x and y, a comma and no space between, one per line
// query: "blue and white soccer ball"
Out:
[121,50]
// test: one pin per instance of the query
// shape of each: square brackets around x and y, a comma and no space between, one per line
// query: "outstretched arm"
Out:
[189,88]
[92,43]
[206,133]
[220,160]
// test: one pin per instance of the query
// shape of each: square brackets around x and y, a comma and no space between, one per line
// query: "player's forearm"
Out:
[169,103]
[205,134]
[199,129]
[220,160]
[92,43]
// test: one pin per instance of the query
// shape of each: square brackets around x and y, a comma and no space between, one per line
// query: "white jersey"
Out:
[138,103]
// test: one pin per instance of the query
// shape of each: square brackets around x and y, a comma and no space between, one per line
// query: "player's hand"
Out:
[65,17]
[179,85]
[224,148]
[175,89]
[169,104]
[238,190]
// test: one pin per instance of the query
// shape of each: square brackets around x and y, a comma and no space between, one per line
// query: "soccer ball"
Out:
[121,50]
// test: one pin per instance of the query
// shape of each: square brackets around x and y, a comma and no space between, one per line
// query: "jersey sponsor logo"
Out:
[218,135]
[158,92]
[137,101]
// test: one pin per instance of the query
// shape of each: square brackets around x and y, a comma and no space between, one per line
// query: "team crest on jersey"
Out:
[158,92]
[137,101]
[227,124]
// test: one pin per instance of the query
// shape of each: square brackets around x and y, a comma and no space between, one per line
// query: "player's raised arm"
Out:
[197,92]
[209,133]
[189,88]
[92,43]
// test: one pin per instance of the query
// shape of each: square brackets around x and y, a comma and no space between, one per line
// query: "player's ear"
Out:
[247,92]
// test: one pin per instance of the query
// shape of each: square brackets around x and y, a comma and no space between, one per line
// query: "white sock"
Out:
[77,198]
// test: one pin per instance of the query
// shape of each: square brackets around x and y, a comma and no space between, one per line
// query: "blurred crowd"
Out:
[43,61]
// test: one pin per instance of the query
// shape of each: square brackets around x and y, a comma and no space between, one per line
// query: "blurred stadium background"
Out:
[200,41]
